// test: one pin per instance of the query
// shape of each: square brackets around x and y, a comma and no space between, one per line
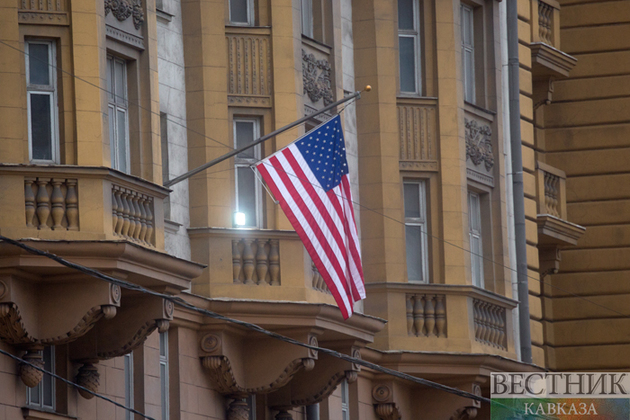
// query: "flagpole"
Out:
[234,152]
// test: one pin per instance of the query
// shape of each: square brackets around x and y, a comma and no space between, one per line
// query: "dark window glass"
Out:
[41,127]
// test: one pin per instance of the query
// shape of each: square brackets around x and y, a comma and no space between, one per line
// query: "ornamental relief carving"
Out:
[316,78]
[479,144]
[123,9]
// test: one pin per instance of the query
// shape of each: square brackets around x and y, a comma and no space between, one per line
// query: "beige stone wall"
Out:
[586,135]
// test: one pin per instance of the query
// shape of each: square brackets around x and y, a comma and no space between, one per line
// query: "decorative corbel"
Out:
[89,378]
[223,376]
[464,413]
[30,375]
[384,405]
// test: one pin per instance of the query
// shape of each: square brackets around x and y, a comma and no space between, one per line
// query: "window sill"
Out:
[163,16]
[38,414]
[480,112]
[415,99]
[318,45]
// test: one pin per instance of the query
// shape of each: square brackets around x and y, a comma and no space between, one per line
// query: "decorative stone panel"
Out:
[45,12]
[417,136]
[249,67]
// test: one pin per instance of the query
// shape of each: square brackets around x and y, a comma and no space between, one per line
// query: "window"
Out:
[242,12]
[128,359]
[248,191]
[409,46]
[164,374]
[345,397]
[468,52]
[41,87]
[165,160]
[43,395]
[476,247]
[118,113]
[416,231]
[251,406]
[307,18]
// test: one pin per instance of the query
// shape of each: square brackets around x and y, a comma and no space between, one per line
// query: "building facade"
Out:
[103,102]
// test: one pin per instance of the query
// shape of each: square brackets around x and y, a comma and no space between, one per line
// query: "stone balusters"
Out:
[51,203]
[318,281]
[426,315]
[545,23]
[132,215]
[490,328]
[552,188]
[256,261]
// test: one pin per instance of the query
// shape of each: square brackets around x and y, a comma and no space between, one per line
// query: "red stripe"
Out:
[309,216]
[300,231]
[355,245]
[323,211]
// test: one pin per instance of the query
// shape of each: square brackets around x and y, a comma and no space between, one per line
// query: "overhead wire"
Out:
[74,384]
[353,202]
[248,325]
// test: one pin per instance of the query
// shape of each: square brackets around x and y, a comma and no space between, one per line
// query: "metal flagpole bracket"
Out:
[234,152]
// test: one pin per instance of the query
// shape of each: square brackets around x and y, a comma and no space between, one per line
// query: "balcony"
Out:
[548,60]
[259,264]
[99,218]
[554,231]
[439,317]
[81,203]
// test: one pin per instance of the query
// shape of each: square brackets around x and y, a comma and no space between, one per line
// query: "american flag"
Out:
[310,180]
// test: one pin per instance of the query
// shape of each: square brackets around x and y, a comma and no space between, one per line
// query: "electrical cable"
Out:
[82,388]
[182,303]
[489,259]
[353,202]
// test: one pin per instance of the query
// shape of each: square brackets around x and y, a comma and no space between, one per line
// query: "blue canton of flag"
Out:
[325,153]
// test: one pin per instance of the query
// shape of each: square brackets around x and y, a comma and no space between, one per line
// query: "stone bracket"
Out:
[53,313]
[137,318]
[265,365]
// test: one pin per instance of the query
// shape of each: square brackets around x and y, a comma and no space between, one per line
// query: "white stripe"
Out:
[356,276]
[318,190]
[307,229]
[315,212]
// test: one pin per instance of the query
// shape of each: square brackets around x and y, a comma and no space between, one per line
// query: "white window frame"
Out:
[345,400]
[250,14]
[129,395]
[164,386]
[416,36]
[39,388]
[468,74]
[422,223]
[115,105]
[476,238]
[49,90]
[240,162]
[307,18]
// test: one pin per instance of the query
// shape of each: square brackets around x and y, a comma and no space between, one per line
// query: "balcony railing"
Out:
[546,22]
[81,203]
[551,184]
[440,317]
[265,264]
